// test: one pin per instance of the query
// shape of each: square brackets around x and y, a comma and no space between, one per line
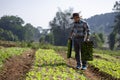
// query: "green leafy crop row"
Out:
[108,58]
[112,68]
[109,52]
[8,52]
[50,66]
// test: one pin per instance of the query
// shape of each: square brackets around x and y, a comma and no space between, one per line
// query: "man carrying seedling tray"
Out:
[79,33]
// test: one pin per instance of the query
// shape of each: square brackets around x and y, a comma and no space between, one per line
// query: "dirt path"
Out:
[16,67]
[88,73]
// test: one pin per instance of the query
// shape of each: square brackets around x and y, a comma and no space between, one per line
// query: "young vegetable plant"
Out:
[49,65]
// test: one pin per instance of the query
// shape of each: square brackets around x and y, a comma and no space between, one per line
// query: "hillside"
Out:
[101,23]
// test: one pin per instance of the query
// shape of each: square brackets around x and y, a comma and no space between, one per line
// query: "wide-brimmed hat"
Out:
[75,14]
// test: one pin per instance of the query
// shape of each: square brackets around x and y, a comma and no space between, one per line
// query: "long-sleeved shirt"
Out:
[80,29]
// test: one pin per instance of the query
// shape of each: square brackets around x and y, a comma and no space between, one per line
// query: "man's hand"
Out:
[70,38]
[88,40]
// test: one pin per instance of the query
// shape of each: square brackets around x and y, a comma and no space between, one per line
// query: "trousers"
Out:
[77,49]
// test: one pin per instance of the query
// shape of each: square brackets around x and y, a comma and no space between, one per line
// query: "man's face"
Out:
[76,18]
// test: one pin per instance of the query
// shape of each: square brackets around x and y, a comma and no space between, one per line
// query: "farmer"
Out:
[79,33]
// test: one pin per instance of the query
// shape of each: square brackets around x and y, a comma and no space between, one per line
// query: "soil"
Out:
[99,57]
[72,63]
[118,57]
[16,67]
[91,73]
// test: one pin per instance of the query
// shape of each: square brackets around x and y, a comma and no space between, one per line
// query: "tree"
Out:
[13,24]
[60,27]
[97,39]
[7,35]
[116,27]
[29,33]
[49,38]
[12,29]
[101,36]
[42,39]
[112,37]
[117,17]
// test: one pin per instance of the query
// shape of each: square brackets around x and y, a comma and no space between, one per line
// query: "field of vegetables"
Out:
[107,64]
[8,52]
[50,66]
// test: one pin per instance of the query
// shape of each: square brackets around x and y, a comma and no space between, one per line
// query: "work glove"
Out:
[86,39]
[70,38]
